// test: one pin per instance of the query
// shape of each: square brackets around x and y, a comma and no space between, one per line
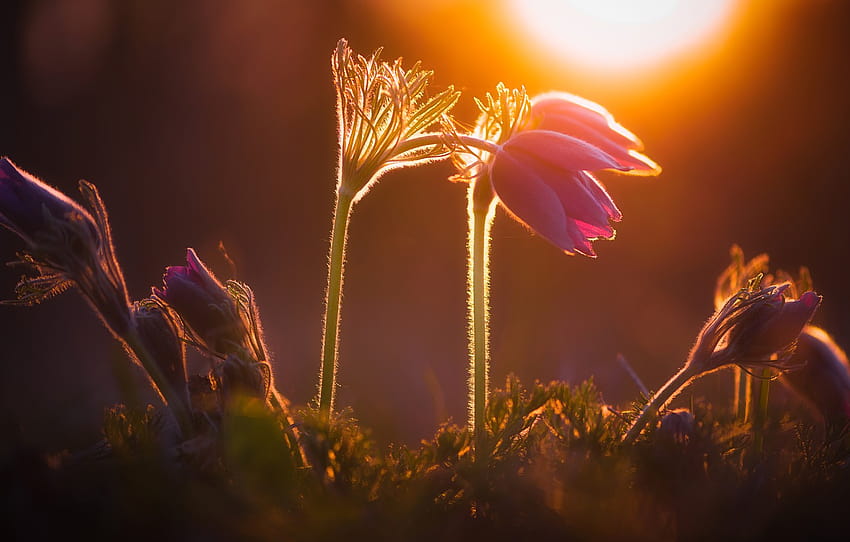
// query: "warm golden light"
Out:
[615,35]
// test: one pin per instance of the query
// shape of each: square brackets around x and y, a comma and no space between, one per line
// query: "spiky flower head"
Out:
[381,108]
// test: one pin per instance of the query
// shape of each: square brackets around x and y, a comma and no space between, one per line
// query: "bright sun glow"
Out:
[611,35]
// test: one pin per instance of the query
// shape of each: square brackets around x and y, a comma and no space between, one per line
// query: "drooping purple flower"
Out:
[757,327]
[66,244]
[772,326]
[27,204]
[541,167]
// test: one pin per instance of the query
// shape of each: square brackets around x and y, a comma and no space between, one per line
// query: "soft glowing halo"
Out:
[612,35]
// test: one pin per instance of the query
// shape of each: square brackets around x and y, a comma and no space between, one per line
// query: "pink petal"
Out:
[588,113]
[561,150]
[530,200]
[626,159]
[570,187]
[597,190]
[595,231]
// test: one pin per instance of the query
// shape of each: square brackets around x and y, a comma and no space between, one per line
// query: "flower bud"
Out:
[160,336]
[240,378]
[29,207]
[823,379]
[677,426]
[66,244]
[773,326]
[204,305]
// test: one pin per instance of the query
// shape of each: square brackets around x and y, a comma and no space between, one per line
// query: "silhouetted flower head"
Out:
[222,318]
[772,326]
[740,272]
[545,149]
[823,378]
[381,106]
[757,327]
[65,244]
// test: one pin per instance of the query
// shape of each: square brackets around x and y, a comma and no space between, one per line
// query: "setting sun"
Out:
[606,35]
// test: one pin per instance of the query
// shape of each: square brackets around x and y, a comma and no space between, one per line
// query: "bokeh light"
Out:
[616,35]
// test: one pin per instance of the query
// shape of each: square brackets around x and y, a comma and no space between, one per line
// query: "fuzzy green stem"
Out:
[480,220]
[760,414]
[333,300]
[176,403]
[661,398]
[742,394]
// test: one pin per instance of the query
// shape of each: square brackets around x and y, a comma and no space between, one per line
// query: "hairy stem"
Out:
[480,220]
[333,300]
[742,394]
[760,414]
[661,398]
[176,403]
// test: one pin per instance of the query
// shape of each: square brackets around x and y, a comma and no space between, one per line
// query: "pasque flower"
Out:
[535,157]
[222,320]
[823,377]
[65,244]
[384,112]
[540,168]
[755,328]
[68,245]
[219,321]
[382,108]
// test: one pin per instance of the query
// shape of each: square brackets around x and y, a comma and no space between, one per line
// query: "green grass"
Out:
[554,469]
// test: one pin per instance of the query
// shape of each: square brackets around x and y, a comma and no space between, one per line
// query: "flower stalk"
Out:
[760,415]
[481,213]
[383,112]
[533,156]
[756,328]
[333,300]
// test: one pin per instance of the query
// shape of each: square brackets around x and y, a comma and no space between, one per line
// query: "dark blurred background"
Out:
[206,121]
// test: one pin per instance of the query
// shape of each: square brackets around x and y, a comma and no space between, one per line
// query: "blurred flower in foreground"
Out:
[539,168]
[66,245]
[677,426]
[755,328]
[823,379]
